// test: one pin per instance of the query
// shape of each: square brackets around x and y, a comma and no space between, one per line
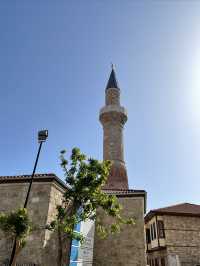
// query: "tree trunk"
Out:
[68,242]
[64,243]
[60,253]
[64,248]
[17,251]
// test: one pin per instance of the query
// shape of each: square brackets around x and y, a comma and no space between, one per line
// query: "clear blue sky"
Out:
[54,64]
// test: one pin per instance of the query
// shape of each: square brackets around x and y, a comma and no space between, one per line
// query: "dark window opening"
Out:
[148,237]
[151,228]
[161,230]
[154,230]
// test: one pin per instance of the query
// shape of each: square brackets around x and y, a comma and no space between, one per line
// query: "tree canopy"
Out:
[85,179]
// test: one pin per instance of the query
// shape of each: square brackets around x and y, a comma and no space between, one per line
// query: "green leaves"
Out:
[78,236]
[15,223]
[85,178]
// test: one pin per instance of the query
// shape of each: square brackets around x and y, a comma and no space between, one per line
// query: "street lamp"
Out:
[42,136]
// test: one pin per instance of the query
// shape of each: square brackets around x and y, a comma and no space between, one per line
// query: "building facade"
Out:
[46,194]
[173,236]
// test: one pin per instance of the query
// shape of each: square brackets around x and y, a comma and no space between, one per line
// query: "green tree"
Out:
[85,178]
[16,225]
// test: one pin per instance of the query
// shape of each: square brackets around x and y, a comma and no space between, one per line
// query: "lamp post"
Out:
[42,136]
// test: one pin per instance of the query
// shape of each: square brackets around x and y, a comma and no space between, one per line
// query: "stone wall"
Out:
[41,208]
[183,238]
[128,247]
[51,239]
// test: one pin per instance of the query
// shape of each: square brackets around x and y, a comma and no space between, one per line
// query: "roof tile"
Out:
[182,209]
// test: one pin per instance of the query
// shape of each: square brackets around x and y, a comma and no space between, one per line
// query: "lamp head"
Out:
[42,135]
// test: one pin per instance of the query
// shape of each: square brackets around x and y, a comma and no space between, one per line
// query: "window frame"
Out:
[161,229]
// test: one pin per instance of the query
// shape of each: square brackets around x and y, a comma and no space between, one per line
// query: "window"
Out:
[148,237]
[154,230]
[162,261]
[161,230]
[151,232]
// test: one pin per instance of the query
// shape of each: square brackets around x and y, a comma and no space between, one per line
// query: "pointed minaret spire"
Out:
[113,117]
[112,82]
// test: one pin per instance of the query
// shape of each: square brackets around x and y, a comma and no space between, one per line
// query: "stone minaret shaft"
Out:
[113,117]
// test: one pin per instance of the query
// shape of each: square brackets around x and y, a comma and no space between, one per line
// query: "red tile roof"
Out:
[47,177]
[14,177]
[123,191]
[183,209]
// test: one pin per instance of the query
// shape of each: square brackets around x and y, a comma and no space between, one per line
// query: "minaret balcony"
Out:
[113,113]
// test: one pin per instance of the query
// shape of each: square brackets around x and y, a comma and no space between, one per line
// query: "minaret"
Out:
[113,117]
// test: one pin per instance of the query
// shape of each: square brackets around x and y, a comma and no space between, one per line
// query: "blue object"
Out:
[75,247]
[77,227]
[74,253]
